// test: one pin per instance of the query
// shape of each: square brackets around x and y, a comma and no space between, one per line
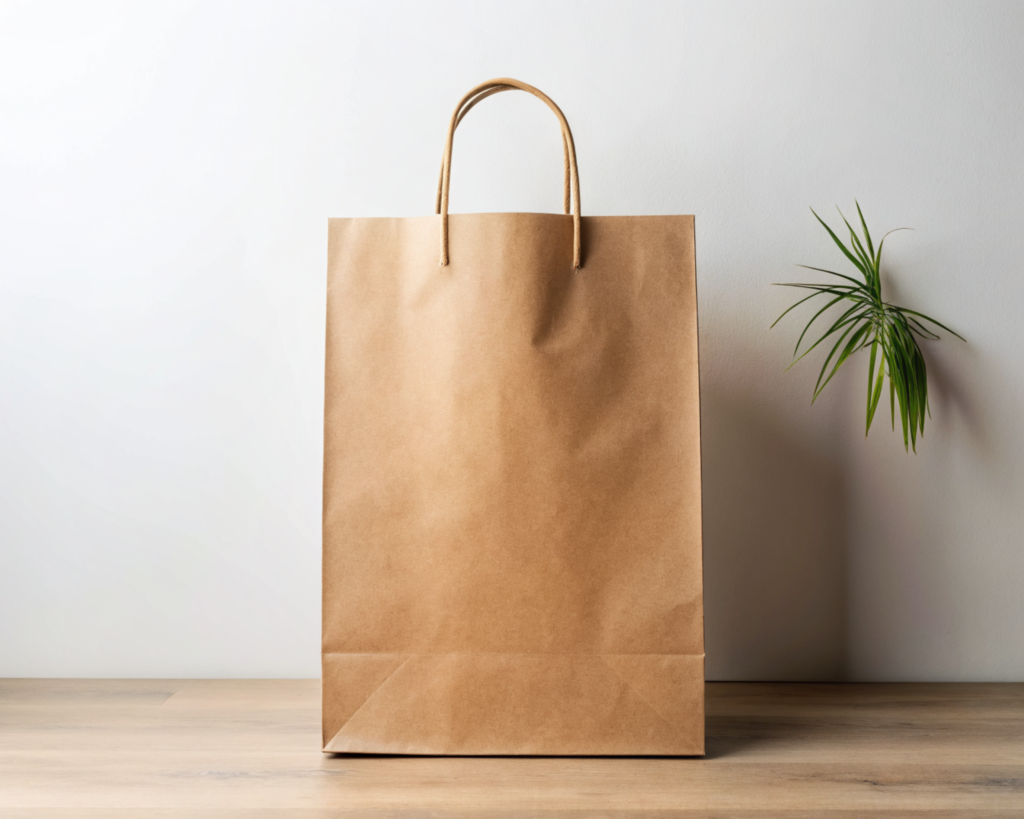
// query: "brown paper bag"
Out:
[512,496]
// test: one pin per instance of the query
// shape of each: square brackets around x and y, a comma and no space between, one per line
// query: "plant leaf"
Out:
[851,347]
[924,332]
[867,233]
[825,288]
[857,284]
[858,249]
[808,327]
[878,394]
[933,321]
[841,246]
[791,307]
[871,386]
[878,255]
[841,322]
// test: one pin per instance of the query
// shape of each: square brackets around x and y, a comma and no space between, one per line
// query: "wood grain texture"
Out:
[250,748]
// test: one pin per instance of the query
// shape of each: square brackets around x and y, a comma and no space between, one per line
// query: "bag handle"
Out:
[477,94]
[566,195]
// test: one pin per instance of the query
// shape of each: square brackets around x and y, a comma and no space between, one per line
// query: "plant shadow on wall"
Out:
[775,514]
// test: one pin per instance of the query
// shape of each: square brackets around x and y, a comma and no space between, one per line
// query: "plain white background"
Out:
[166,172]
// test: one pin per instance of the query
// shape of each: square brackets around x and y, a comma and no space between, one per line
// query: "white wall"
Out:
[166,171]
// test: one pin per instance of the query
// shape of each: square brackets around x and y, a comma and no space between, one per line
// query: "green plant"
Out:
[869,321]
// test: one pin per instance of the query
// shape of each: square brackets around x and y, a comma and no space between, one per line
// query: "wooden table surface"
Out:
[250,748]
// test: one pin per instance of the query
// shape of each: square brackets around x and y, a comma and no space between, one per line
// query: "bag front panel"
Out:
[512,447]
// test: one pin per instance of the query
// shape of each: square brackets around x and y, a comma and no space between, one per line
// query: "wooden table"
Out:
[250,748]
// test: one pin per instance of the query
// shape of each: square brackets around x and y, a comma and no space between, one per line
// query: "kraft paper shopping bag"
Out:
[512,494]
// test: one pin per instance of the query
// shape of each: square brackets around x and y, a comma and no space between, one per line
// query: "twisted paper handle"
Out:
[572,180]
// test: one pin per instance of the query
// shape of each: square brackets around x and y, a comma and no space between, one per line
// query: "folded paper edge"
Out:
[371,695]
[407,657]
